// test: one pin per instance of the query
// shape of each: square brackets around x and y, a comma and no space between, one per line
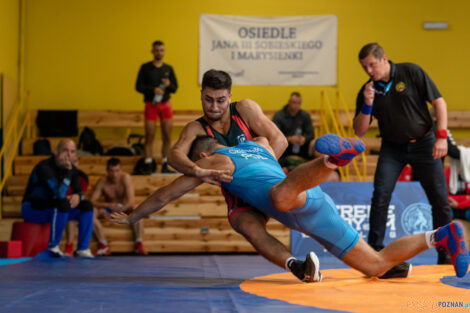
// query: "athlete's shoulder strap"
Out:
[239,120]
[207,128]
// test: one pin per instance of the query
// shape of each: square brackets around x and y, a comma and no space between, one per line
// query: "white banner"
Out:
[299,50]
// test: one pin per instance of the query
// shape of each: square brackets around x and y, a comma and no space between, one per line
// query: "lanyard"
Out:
[386,88]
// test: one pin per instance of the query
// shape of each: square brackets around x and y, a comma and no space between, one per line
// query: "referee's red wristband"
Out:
[441,133]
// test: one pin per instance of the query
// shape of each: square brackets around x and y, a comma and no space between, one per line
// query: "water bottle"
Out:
[296,148]
[158,98]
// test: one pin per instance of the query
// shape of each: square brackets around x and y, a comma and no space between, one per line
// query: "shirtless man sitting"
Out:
[118,193]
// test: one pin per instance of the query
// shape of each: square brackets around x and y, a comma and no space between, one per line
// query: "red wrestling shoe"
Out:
[103,250]
[139,248]
[69,249]
[450,237]
[340,149]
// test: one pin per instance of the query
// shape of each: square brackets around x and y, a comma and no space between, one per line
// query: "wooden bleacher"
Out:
[195,223]
[135,119]
[199,216]
[26,144]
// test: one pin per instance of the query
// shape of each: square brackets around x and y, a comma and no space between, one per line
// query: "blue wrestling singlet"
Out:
[256,171]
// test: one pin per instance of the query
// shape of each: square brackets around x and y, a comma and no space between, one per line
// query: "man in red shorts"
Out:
[156,81]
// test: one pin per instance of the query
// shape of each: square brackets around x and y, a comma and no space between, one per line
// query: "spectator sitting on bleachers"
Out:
[296,125]
[45,199]
[118,193]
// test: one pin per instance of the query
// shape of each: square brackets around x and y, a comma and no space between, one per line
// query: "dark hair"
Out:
[371,48]
[157,43]
[113,162]
[217,80]
[202,143]
[295,93]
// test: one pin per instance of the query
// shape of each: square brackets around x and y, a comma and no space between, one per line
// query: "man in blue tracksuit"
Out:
[299,203]
[45,199]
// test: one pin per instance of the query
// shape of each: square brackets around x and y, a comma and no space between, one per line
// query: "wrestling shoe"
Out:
[103,250]
[450,237]
[139,248]
[341,150]
[84,254]
[69,249]
[401,270]
[307,271]
[56,252]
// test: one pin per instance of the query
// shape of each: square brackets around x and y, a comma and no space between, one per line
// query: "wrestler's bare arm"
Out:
[262,126]
[178,157]
[172,191]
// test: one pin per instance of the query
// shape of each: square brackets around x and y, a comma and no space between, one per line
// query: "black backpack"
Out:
[140,169]
[42,147]
[120,151]
[136,148]
[88,142]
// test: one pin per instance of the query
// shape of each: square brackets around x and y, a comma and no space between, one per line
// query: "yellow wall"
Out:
[9,36]
[85,54]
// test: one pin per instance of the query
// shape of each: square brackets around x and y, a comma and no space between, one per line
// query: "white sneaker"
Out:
[56,252]
[84,254]
[312,268]
[307,271]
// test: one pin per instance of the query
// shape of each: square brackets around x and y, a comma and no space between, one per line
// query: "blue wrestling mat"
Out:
[13,261]
[208,283]
[181,283]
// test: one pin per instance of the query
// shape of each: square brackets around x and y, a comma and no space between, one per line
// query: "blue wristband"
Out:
[366,109]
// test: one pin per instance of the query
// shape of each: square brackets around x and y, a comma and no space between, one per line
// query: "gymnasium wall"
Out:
[9,36]
[85,54]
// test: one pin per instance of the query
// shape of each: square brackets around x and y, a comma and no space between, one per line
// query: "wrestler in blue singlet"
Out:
[256,171]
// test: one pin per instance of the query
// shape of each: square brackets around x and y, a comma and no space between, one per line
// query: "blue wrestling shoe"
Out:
[450,237]
[341,150]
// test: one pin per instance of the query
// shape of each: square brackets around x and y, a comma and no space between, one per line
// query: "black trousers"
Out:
[428,171]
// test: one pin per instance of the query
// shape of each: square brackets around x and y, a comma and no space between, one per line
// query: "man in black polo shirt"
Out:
[156,81]
[397,95]
[296,125]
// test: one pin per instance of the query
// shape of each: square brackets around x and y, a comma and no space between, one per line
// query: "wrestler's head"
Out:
[202,146]
[216,94]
